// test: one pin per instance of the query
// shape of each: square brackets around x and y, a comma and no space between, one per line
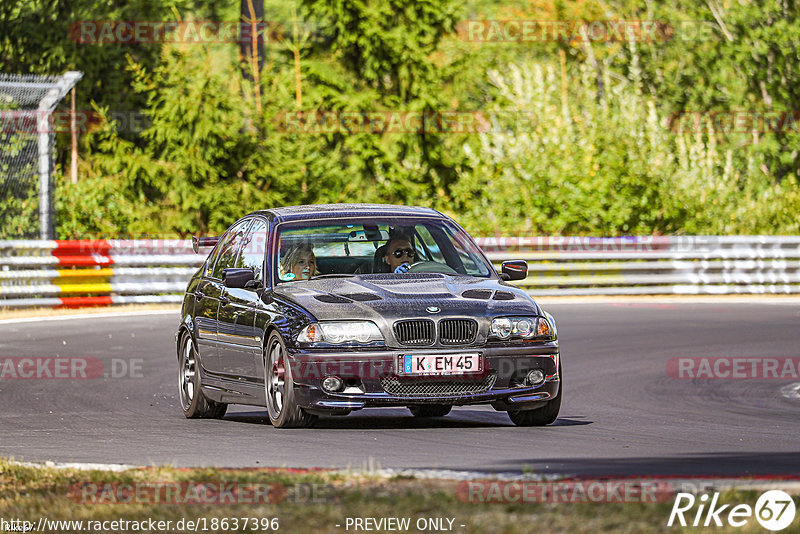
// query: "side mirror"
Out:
[514,270]
[203,242]
[255,285]
[238,278]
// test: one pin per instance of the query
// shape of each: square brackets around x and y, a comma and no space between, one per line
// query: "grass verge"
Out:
[305,501]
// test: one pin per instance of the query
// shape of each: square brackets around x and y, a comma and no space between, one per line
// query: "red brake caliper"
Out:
[278,371]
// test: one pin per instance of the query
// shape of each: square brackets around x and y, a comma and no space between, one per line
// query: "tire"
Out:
[545,415]
[430,410]
[282,409]
[194,403]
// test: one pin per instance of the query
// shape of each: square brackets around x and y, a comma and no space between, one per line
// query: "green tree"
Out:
[388,50]
[44,37]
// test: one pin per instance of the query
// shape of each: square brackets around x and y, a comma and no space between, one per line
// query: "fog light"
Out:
[332,384]
[535,377]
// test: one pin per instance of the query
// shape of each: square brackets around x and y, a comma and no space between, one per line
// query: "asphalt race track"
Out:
[622,413]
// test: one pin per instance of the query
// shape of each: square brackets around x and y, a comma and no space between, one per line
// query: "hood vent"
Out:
[332,299]
[504,295]
[361,297]
[483,294]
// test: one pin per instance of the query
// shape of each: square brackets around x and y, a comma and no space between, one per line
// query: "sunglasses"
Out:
[410,252]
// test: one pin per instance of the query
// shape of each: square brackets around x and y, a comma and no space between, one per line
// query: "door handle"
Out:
[224,300]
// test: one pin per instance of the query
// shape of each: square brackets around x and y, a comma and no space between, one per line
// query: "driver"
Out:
[399,253]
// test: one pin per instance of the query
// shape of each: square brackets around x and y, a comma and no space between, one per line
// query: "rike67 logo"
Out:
[774,510]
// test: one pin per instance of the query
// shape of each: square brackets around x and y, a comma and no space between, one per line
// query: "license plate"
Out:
[439,364]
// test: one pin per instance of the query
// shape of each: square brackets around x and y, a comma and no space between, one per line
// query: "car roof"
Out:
[321,211]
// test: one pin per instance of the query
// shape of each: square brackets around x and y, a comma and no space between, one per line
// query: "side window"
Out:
[212,260]
[254,247]
[228,248]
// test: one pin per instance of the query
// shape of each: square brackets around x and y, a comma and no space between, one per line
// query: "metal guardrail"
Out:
[90,273]
[654,265]
[102,272]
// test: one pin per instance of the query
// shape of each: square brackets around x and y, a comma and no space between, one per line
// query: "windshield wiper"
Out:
[332,275]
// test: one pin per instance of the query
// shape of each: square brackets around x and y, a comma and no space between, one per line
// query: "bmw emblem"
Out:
[433,309]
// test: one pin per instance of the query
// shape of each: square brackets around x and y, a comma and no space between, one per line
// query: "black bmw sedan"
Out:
[326,309]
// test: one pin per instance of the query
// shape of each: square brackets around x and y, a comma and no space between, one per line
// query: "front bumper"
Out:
[373,379]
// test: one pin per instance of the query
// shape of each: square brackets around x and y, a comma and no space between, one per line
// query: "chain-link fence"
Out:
[27,152]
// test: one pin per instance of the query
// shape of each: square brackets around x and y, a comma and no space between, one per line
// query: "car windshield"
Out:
[311,249]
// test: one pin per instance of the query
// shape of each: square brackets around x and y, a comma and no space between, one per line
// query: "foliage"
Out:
[582,138]
[738,56]
[609,164]
[43,37]
[19,215]
[209,156]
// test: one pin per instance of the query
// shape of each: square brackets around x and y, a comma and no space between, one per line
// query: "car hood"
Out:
[393,296]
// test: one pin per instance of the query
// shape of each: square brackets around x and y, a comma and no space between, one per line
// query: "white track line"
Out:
[78,466]
[87,316]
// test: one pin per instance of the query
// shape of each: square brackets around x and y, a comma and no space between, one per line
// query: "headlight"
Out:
[502,328]
[340,332]
[522,327]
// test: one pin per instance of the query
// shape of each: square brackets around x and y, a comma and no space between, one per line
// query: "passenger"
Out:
[399,253]
[299,263]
